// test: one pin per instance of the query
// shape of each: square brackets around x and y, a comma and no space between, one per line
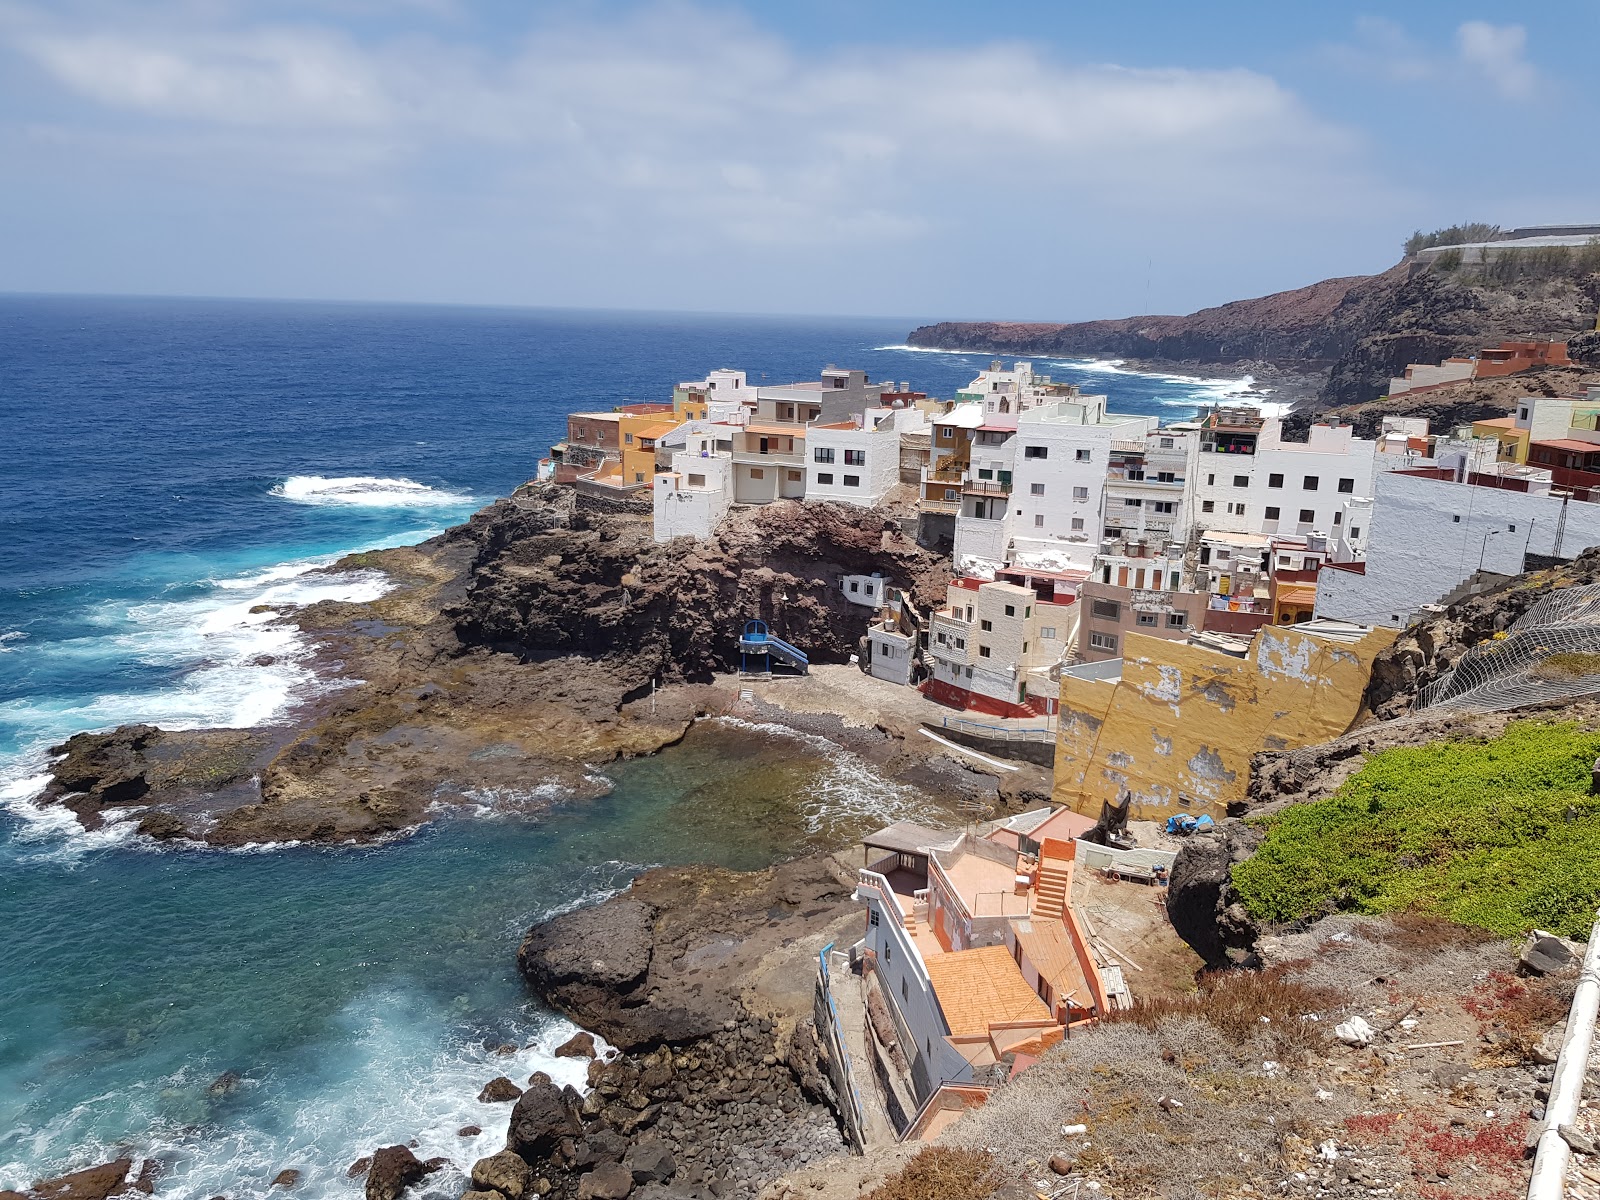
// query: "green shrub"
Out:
[1500,834]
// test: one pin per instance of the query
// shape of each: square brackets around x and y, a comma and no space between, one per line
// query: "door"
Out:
[763,445]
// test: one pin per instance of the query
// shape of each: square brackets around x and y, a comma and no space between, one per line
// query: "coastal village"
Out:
[1144,606]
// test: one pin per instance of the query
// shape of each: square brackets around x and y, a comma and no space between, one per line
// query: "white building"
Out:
[1247,479]
[989,643]
[724,393]
[1148,504]
[1063,458]
[868,590]
[692,499]
[1430,535]
[858,462]
[1419,375]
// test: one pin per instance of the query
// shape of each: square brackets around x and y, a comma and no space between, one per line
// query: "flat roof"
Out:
[982,987]
[795,430]
[1048,945]
[1064,824]
[1572,444]
[1235,539]
[907,837]
[1499,422]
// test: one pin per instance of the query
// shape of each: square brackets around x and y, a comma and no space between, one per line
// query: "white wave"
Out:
[225,665]
[929,350]
[847,791]
[366,491]
[392,1072]
[7,638]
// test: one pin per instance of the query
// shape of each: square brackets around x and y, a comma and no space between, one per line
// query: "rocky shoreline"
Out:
[702,980]
[545,637]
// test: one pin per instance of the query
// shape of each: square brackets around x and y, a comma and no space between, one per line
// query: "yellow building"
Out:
[1174,725]
[639,434]
[1513,441]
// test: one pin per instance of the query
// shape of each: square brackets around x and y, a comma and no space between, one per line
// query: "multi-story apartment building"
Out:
[720,396]
[1247,479]
[1147,498]
[839,394]
[692,498]
[950,453]
[1013,391]
[989,643]
[858,461]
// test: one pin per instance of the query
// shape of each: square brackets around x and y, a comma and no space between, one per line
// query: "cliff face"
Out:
[1362,330]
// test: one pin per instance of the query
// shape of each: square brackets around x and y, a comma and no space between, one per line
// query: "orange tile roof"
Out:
[1297,593]
[982,987]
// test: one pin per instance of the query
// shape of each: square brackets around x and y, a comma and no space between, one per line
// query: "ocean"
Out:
[166,466]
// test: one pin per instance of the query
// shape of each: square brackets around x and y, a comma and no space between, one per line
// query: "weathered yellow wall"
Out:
[1184,721]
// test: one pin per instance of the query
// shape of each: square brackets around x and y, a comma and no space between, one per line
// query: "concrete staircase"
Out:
[1050,896]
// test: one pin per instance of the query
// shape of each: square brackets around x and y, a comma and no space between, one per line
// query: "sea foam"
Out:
[367,491]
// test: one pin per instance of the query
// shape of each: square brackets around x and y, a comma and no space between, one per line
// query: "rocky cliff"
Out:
[1361,330]
[508,648]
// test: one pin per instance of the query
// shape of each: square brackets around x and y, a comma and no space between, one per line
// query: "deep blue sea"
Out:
[166,465]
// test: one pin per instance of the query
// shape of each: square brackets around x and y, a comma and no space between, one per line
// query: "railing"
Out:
[836,1036]
[1002,733]
[982,487]
[866,877]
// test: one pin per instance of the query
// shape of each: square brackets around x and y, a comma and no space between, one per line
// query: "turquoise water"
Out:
[355,990]
[167,466]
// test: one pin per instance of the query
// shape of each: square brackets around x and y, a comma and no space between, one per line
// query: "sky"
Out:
[1052,160]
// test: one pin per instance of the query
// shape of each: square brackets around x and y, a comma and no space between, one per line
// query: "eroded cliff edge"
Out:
[518,648]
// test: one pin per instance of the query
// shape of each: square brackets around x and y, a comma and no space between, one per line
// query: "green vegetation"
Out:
[1499,834]
[1451,235]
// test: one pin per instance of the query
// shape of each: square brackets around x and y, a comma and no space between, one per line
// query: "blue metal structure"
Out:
[756,642]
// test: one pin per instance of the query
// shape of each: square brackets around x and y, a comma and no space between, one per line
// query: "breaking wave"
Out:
[366,491]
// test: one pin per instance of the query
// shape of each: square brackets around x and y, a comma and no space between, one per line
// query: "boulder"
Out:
[225,1084]
[286,1178]
[469,1131]
[544,1114]
[395,1168]
[1200,900]
[505,1173]
[359,1168]
[608,1181]
[91,1183]
[1546,954]
[579,1045]
[605,946]
[650,1162]
[498,1090]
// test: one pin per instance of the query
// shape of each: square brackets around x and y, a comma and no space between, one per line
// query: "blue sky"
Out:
[927,160]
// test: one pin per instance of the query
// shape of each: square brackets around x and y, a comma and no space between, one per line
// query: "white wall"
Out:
[684,510]
[863,589]
[1428,536]
[891,656]
[874,478]
[1330,456]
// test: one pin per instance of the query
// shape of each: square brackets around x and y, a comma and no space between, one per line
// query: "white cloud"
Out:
[1497,51]
[705,129]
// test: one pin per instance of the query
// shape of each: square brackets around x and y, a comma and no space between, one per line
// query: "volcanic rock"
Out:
[91,1183]
[579,1045]
[395,1168]
[544,1114]
[505,1173]
[498,1090]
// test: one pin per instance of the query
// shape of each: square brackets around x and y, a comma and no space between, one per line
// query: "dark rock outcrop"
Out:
[544,1114]
[498,1090]
[91,1183]
[395,1168]
[1201,904]
[579,1045]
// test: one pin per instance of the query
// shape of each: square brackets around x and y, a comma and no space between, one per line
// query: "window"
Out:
[1338,518]
[1283,560]
[1106,610]
[1136,473]
[1084,456]
[1211,480]
[1172,580]
[983,652]
[1080,493]
[1177,620]
[1036,452]
[1048,633]
[1241,481]
[1166,507]
[1347,486]
[1309,564]
[758,473]
[855,585]
[961,643]
[1236,510]
[638,476]
[822,454]
[1036,489]
[696,480]
[1209,506]
[872,916]
[943,640]
[1105,574]
[1024,647]
[985,473]
[1103,641]
[986,625]
[946,435]
[1166,477]
[855,458]
[627,439]
[1077,523]
[1133,502]
[852,481]
[1307,515]
[1456,519]
[1355,531]
[1166,443]
[1273,512]
[795,477]
[1311,483]
[1011,610]
[1147,619]
[952,494]
[1275,480]
[1038,520]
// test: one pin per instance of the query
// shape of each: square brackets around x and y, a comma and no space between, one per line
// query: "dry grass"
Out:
[1517,1012]
[941,1173]
[1177,1110]
[1244,1007]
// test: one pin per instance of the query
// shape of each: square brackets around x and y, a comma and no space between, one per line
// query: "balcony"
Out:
[762,458]
[948,507]
[984,487]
